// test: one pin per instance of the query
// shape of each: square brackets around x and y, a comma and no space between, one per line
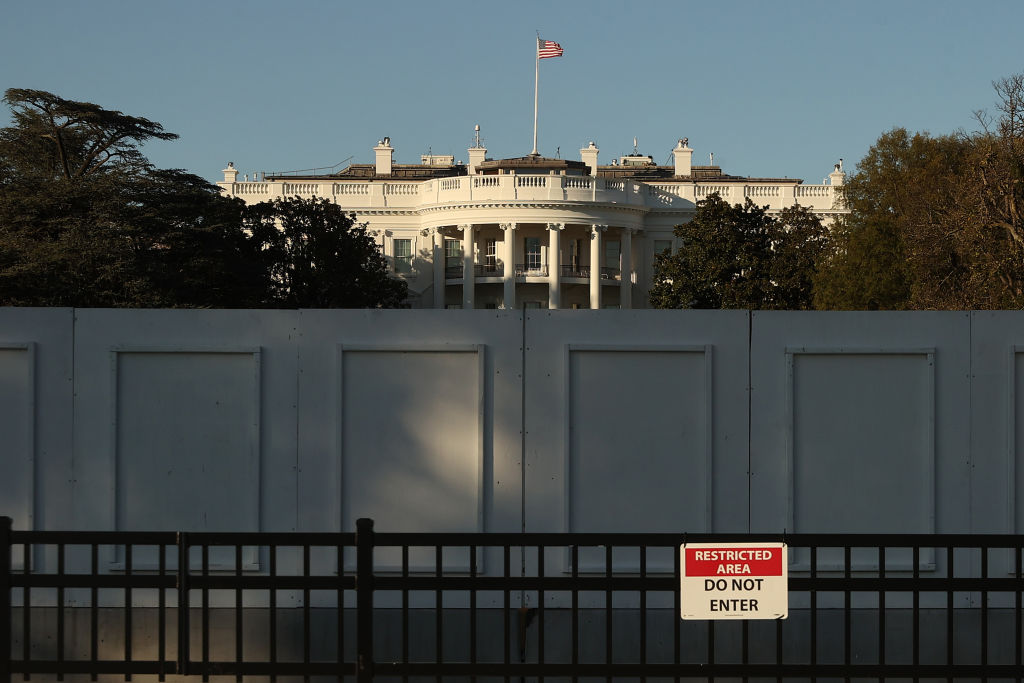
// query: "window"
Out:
[453,257]
[611,255]
[403,256]
[532,251]
[662,246]
[531,304]
[574,256]
[491,255]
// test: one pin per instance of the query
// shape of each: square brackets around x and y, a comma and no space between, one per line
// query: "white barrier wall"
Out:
[499,421]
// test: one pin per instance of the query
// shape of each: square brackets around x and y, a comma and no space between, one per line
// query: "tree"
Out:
[320,258]
[86,220]
[935,222]
[738,256]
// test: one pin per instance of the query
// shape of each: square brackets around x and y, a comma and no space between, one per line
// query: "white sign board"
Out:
[734,581]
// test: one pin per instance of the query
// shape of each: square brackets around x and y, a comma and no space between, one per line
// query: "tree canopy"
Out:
[86,220]
[935,221]
[739,256]
[318,257]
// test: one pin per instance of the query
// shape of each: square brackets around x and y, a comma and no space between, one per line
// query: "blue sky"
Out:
[771,88]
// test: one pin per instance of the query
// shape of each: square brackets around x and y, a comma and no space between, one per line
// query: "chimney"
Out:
[683,158]
[588,155]
[230,173]
[383,152]
[838,176]
[477,153]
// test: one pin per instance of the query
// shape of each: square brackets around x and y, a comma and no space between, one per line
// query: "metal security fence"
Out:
[495,606]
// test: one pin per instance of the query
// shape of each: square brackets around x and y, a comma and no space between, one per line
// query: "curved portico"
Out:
[532,264]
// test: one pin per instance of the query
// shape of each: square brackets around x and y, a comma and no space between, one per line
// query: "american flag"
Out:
[548,48]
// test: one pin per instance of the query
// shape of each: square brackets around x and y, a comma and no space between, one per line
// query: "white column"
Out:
[438,258]
[468,282]
[595,265]
[554,264]
[509,272]
[626,276]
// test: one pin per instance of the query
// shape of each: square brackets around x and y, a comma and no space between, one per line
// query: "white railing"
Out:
[250,188]
[579,183]
[526,187]
[347,189]
[292,189]
[708,190]
[762,191]
[401,189]
[814,190]
[531,181]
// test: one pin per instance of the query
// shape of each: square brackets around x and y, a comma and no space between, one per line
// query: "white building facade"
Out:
[530,232]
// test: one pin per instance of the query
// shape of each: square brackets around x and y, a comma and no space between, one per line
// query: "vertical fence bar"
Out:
[273,612]
[847,638]
[677,600]
[984,608]
[161,648]
[239,606]
[26,612]
[472,612]
[950,574]
[507,608]
[306,631]
[540,609]
[917,609]
[5,598]
[60,610]
[128,607]
[364,600]
[643,609]
[94,628]
[1018,616]
[206,611]
[405,609]
[575,611]
[438,608]
[608,635]
[814,605]
[183,605]
[340,653]
[881,608]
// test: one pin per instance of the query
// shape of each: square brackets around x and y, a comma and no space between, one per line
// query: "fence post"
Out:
[5,598]
[364,600]
[184,622]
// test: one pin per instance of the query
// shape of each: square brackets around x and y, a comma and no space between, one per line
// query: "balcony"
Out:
[531,270]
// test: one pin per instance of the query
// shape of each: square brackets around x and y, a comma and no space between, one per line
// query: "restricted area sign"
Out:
[734,581]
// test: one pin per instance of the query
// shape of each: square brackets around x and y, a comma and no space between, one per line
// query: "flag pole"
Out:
[536,80]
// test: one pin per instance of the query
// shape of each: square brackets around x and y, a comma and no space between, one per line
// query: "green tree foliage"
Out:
[935,222]
[87,221]
[739,256]
[320,258]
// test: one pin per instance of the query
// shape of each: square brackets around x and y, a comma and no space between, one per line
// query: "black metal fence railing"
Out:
[496,604]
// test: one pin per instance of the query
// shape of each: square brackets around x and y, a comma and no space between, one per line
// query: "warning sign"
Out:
[734,581]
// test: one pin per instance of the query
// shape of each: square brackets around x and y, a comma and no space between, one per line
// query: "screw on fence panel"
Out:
[364,600]
[5,598]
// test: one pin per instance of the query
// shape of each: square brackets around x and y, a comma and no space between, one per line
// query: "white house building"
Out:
[532,231]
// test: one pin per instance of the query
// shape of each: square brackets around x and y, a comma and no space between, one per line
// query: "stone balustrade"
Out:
[542,188]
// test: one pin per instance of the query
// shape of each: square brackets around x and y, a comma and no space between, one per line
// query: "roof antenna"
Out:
[635,152]
[476,136]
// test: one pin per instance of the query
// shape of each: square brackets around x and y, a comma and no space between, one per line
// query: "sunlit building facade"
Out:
[532,231]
